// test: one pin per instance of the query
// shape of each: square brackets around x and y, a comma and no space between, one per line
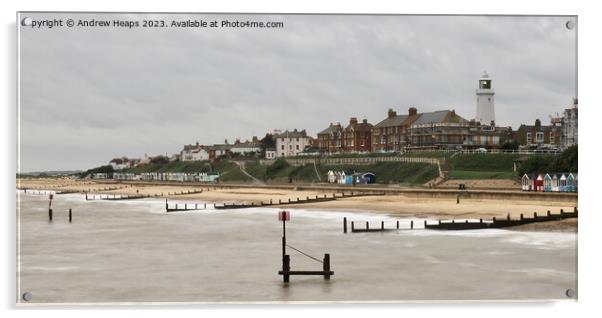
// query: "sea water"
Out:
[133,251]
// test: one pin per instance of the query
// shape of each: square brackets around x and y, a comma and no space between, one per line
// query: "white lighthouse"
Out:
[485,105]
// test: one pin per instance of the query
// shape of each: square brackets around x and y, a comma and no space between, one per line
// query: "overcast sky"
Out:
[89,95]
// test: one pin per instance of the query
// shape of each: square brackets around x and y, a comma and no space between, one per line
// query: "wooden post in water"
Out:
[382,225]
[185,206]
[412,225]
[352,227]
[345,225]
[521,216]
[508,217]
[549,213]
[367,225]
[326,266]
[70,215]
[535,214]
[286,267]
[49,215]
[397,224]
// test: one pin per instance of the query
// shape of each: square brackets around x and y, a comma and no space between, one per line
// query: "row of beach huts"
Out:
[160,176]
[342,177]
[550,182]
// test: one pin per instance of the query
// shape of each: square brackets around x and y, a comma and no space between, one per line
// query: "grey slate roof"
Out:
[292,134]
[437,117]
[392,122]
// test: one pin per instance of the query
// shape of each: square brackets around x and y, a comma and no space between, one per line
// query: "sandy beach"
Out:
[392,204]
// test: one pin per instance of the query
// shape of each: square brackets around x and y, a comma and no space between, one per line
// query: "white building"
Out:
[245,147]
[485,103]
[194,153]
[120,163]
[291,143]
[569,126]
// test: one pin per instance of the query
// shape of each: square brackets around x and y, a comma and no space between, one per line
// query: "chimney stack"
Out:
[365,121]
[537,123]
[412,111]
[391,113]
[353,120]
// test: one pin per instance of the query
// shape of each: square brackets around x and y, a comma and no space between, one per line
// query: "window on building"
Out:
[539,137]
[528,138]
[282,147]
[551,139]
[297,147]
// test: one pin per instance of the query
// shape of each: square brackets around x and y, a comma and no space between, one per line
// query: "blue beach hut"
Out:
[547,183]
[570,183]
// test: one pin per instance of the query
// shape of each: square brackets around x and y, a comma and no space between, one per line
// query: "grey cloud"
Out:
[97,93]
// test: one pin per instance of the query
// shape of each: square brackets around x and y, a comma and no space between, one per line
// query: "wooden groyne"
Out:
[114,197]
[456,225]
[184,207]
[298,200]
[367,228]
[500,223]
[45,192]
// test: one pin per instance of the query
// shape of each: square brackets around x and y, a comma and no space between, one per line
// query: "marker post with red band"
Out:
[286,259]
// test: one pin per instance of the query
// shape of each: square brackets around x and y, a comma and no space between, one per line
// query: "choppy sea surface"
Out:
[132,251]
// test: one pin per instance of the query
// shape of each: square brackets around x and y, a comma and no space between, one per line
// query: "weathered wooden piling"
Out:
[367,225]
[397,224]
[345,225]
[352,227]
[286,267]
[535,214]
[382,225]
[411,225]
[70,215]
[50,215]
[549,213]
[521,217]
[326,266]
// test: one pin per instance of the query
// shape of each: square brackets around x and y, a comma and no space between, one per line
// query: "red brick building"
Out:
[357,137]
[330,139]
[538,135]
[391,134]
